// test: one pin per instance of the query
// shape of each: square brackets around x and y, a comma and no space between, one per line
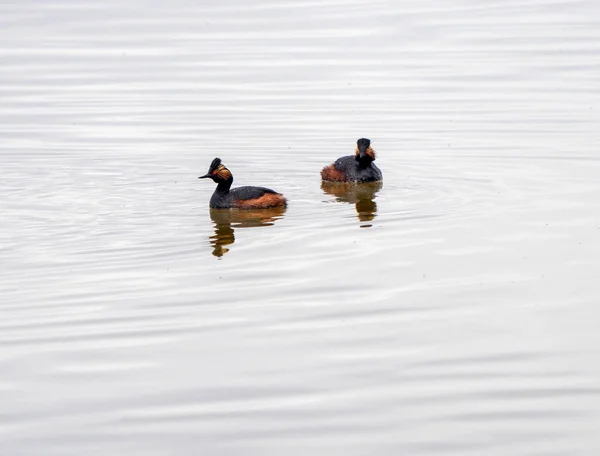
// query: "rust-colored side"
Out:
[264,202]
[329,173]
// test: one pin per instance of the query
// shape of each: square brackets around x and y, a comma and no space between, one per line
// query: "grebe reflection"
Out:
[361,195]
[225,220]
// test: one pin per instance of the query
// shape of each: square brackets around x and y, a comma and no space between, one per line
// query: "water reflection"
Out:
[361,195]
[225,220]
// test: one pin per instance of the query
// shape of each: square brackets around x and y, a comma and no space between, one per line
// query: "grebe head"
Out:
[218,172]
[364,151]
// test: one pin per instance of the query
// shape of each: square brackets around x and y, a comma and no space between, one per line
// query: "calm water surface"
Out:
[453,311]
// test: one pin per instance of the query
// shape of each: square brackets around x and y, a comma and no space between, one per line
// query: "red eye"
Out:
[214,172]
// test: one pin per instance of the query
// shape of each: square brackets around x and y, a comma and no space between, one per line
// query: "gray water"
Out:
[453,311]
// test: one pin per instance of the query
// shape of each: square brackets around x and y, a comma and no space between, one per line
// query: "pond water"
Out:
[451,311]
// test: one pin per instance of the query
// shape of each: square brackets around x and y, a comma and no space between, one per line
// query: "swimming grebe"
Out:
[241,197]
[354,168]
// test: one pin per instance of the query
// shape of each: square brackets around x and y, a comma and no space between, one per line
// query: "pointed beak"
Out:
[362,149]
[204,177]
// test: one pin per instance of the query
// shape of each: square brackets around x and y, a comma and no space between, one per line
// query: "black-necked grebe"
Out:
[354,168]
[241,197]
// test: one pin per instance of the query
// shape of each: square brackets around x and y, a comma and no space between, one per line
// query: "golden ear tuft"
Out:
[223,173]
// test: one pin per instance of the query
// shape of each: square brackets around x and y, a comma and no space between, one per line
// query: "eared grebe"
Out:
[354,168]
[241,197]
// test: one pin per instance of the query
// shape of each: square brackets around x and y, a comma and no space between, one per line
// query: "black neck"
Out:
[364,161]
[224,186]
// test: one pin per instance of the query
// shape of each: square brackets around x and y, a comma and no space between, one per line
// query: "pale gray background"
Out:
[463,322]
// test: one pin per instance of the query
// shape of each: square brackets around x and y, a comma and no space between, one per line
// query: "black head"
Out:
[214,165]
[363,143]
[364,151]
[218,172]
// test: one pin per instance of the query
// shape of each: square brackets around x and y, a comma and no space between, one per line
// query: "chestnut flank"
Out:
[264,202]
[329,173]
